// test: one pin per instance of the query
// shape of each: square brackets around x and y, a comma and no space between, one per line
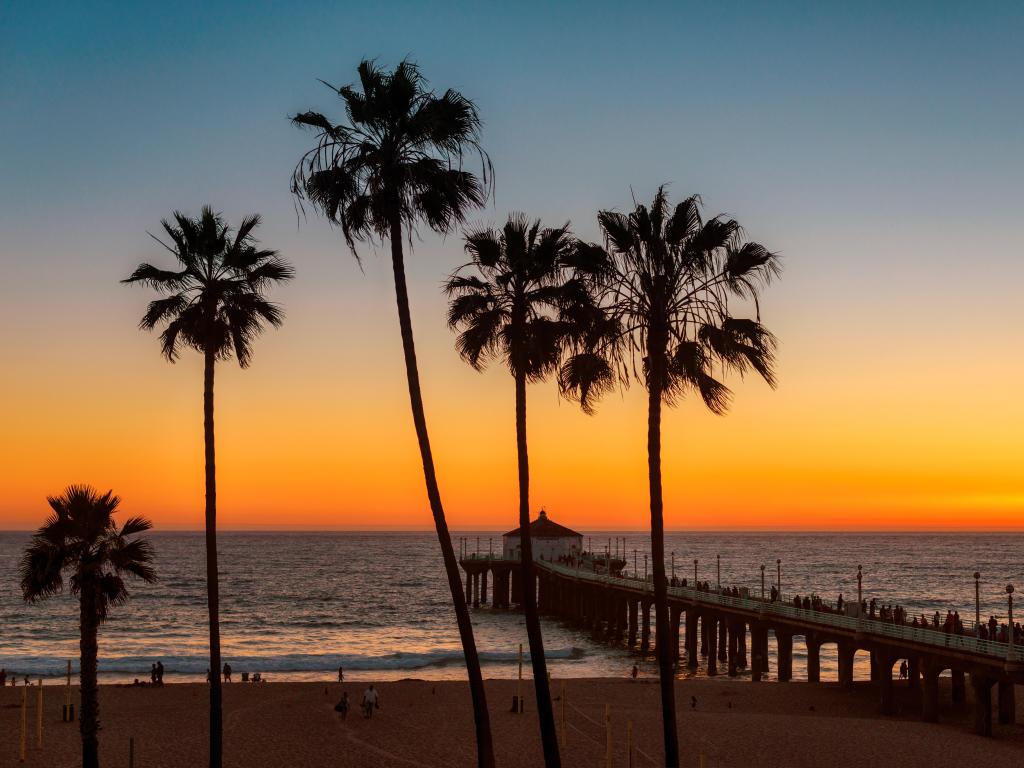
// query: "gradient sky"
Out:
[878,148]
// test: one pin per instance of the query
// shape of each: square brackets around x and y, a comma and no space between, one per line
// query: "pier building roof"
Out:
[544,527]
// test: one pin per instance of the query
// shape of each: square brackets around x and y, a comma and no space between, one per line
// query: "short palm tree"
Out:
[81,540]
[394,163]
[670,284]
[215,302]
[519,300]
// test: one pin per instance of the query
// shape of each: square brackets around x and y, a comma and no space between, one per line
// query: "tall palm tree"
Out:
[669,289]
[81,539]
[397,162]
[520,300]
[214,301]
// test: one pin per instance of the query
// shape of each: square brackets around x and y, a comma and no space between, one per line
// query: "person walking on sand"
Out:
[152,675]
[227,672]
[160,674]
[636,672]
[370,702]
[342,706]
[341,674]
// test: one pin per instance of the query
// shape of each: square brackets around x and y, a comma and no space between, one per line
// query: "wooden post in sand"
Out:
[701,761]
[562,702]
[607,736]
[39,716]
[24,723]
[630,762]
[519,684]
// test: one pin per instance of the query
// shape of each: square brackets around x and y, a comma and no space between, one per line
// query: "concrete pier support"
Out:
[982,686]
[784,641]
[712,645]
[1007,703]
[958,690]
[483,588]
[914,673]
[691,638]
[733,649]
[741,639]
[517,587]
[675,614]
[723,640]
[633,616]
[704,634]
[645,628]
[846,652]
[813,658]
[930,693]
[758,643]
[883,674]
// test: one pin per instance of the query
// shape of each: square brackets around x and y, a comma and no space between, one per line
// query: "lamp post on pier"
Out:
[762,582]
[778,577]
[695,573]
[1010,656]
[860,599]
[719,559]
[490,547]
[977,602]
[673,566]
[645,569]
[634,564]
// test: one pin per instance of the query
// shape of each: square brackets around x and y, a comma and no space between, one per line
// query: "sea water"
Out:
[296,606]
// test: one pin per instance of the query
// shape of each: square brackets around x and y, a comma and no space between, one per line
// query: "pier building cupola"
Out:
[550,540]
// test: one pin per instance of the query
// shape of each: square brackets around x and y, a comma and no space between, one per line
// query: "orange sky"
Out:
[871,426]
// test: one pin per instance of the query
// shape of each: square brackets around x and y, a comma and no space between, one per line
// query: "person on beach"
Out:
[636,672]
[152,675]
[370,702]
[903,670]
[342,706]
[227,672]
[341,674]
[160,673]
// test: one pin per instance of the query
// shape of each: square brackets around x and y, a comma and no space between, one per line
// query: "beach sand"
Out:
[422,723]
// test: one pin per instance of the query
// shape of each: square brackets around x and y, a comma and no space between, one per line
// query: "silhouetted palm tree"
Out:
[215,303]
[82,540]
[396,162]
[519,301]
[670,281]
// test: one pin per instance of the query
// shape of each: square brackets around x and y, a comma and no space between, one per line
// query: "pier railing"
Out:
[909,633]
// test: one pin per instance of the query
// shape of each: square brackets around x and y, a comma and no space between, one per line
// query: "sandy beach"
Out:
[424,723]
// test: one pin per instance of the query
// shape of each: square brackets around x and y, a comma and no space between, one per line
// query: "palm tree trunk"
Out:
[548,735]
[485,747]
[662,628]
[212,577]
[89,717]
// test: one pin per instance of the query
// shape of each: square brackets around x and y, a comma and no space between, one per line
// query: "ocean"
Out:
[296,606]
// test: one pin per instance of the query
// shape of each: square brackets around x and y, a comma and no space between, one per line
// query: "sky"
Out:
[878,148]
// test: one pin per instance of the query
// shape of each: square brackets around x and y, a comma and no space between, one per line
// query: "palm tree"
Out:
[520,300]
[394,163]
[668,292]
[81,539]
[215,303]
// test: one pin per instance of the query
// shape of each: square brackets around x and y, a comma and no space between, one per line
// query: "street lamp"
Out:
[695,573]
[673,566]
[645,569]
[762,582]
[634,564]
[860,600]
[719,559]
[778,577]
[977,602]
[1009,622]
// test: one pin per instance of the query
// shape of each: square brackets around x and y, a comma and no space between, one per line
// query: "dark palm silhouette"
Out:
[214,302]
[81,540]
[396,162]
[669,284]
[519,300]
